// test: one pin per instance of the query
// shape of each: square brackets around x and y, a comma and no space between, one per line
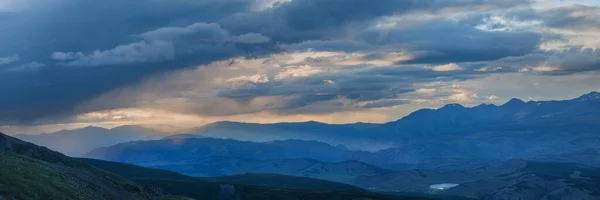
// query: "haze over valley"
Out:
[300,99]
[541,145]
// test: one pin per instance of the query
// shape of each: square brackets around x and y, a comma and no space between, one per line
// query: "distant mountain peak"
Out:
[222,123]
[485,105]
[127,127]
[452,106]
[589,96]
[93,128]
[514,102]
[313,122]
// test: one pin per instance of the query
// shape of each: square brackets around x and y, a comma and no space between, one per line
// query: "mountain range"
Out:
[510,179]
[345,171]
[517,150]
[484,133]
[581,114]
[28,171]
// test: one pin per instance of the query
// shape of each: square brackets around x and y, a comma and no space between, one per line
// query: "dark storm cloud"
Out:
[297,21]
[443,41]
[329,45]
[71,51]
[374,86]
[85,26]
[434,41]
[573,17]
[555,62]
[66,35]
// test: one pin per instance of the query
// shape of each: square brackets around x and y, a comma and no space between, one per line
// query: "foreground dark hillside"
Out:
[28,171]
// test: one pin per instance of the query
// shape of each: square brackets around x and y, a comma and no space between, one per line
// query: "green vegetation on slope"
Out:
[31,172]
[22,177]
[171,182]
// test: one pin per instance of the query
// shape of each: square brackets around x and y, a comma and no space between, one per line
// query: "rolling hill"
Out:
[247,186]
[513,179]
[343,172]
[350,135]
[157,152]
[28,171]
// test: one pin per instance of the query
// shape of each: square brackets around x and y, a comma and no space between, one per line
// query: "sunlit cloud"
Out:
[489,69]
[462,96]
[503,23]
[545,68]
[427,91]
[299,71]
[262,78]
[446,67]
[492,97]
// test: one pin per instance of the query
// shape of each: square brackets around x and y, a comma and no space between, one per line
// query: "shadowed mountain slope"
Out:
[28,171]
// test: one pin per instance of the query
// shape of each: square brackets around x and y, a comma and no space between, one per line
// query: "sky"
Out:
[185,63]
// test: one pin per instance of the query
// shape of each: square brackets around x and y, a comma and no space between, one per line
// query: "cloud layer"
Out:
[223,58]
